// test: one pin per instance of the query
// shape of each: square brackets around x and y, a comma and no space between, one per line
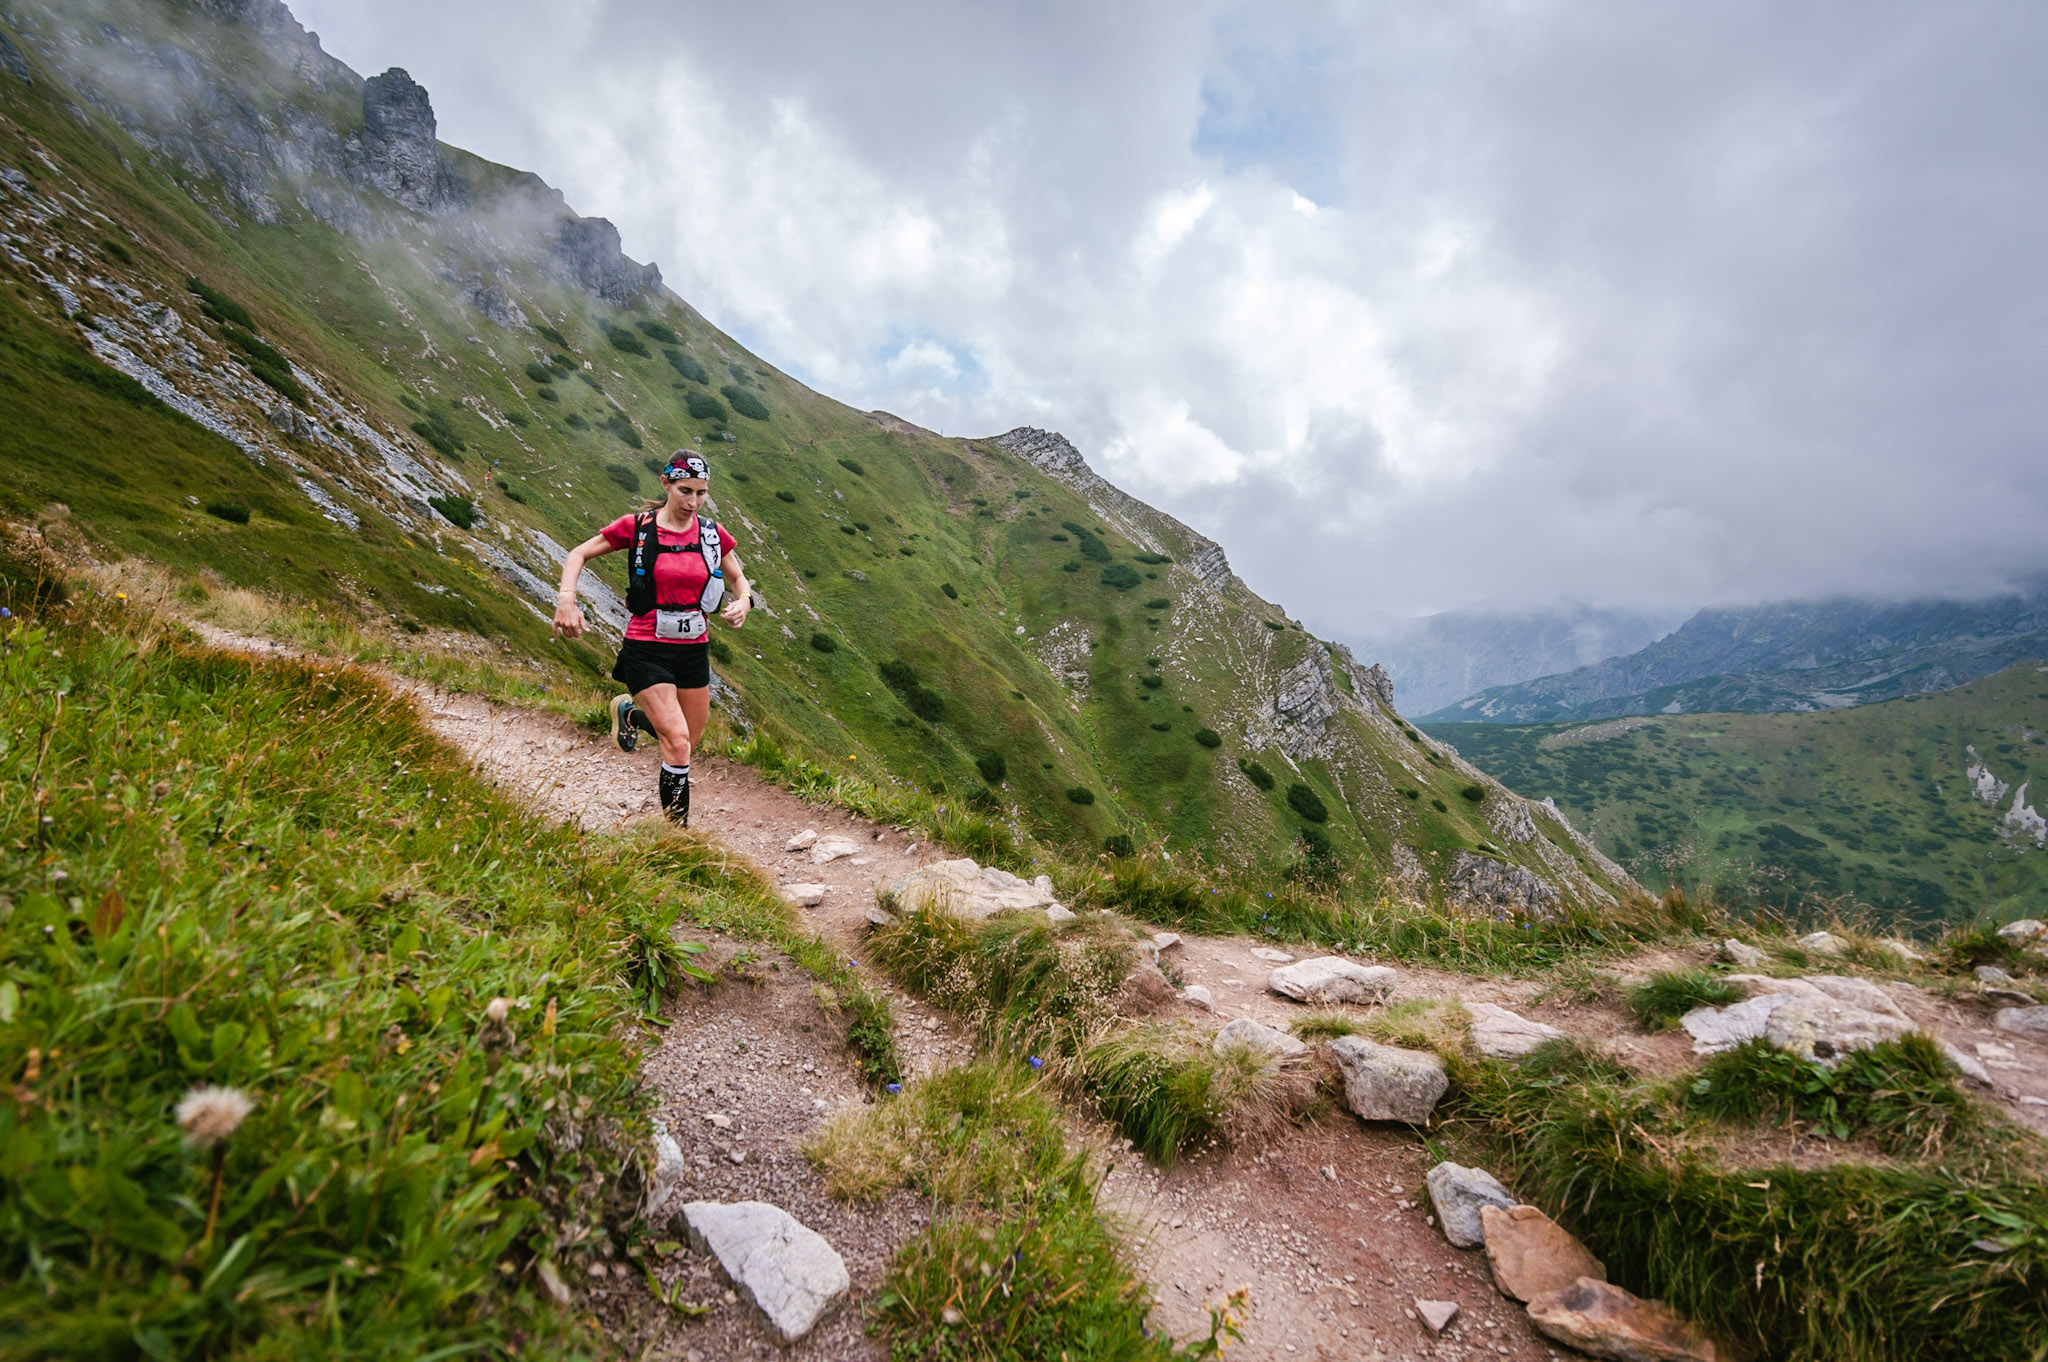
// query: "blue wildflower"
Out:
[892,1087]
[1035,1062]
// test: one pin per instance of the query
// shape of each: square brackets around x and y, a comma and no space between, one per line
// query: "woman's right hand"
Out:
[568,618]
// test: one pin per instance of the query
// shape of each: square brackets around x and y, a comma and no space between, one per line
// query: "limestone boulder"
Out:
[1501,1034]
[1198,995]
[780,1264]
[804,895]
[802,841]
[1246,1034]
[827,849]
[1331,979]
[1715,1029]
[2031,1022]
[1826,1031]
[971,890]
[1605,1321]
[1531,1254]
[2027,931]
[1459,1193]
[1743,954]
[1823,943]
[1384,1083]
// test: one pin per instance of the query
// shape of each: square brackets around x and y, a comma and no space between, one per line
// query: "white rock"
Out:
[2022,1021]
[1967,1065]
[551,1281]
[2028,931]
[1382,1083]
[1196,995]
[1743,954]
[1992,974]
[1246,1034]
[1826,1031]
[1436,1314]
[1823,943]
[1715,1029]
[668,1172]
[832,848]
[1165,941]
[786,1269]
[1332,979]
[804,895]
[719,1119]
[802,841]
[1863,993]
[970,890]
[1902,949]
[1458,1192]
[1059,913]
[1275,956]
[1500,1034]
[878,917]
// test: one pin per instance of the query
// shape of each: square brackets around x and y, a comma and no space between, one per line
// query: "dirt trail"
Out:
[1326,1222]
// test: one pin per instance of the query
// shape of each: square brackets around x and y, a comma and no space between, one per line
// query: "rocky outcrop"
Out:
[588,252]
[1369,683]
[12,61]
[1489,885]
[1305,699]
[398,155]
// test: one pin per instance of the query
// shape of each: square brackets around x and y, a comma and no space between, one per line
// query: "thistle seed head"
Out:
[209,1115]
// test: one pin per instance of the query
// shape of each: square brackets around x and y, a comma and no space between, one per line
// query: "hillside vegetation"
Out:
[1920,808]
[263,332]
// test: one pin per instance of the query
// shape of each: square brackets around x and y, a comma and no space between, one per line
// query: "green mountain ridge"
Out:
[1923,808]
[263,330]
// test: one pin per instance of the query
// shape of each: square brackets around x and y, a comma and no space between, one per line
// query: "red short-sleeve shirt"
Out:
[678,577]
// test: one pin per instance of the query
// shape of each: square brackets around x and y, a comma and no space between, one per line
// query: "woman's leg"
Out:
[670,719]
[696,707]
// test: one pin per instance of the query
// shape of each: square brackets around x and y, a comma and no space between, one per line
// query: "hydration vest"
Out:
[646,551]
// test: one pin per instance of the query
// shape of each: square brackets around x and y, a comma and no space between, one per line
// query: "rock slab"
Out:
[802,841]
[1331,979]
[971,890]
[1605,1321]
[1383,1083]
[804,895]
[1531,1254]
[1458,1193]
[1743,954]
[1246,1034]
[1436,1314]
[827,849]
[2022,1021]
[1500,1034]
[787,1269]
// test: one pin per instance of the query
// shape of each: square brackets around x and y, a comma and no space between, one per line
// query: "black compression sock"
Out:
[638,719]
[675,793]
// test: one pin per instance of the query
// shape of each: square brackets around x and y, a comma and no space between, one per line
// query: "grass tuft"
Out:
[1662,999]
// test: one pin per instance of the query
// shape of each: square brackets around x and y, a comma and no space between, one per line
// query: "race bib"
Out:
[684,625]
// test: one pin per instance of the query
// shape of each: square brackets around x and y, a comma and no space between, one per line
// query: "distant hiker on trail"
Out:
[680,566]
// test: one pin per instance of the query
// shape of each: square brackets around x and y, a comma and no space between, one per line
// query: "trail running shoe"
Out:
[623,732]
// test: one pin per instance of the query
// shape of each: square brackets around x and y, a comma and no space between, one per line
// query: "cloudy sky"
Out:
[1413,306]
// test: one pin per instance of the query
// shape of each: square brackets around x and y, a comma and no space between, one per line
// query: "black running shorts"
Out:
[686,666]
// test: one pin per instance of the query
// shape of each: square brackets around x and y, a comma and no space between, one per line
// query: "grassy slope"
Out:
[1867,804]
[379,327]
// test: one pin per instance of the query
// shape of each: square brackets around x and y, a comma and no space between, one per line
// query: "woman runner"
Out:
[675,579]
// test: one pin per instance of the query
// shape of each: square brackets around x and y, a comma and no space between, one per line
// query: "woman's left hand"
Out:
[735,611]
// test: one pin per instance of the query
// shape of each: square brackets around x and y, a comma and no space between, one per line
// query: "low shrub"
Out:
[785,496]
[219,306]
[539,373]
[621,425]
[1307,803]
[1275,625]
[1081,794]
[1092,547]
[1153,559]
[623,340]
[744,402]
[689,368]
[1162,727]
[1659,1001]
[1208,737]
[854,467]
[1474,794]
[117,250]
[992,767]
[1258,775]
[438,431]
[1151,682]
[234,511]
[518,418]
[547,394]
[950,592]
[1158,603]
[589,380]
[459,511]
[625,475]
[1119,844]
[848,529]
[926,703]
[1439,806]
[1122,576]
[658,333]
[552,336]
[574,420]
[824,642]
[106,381]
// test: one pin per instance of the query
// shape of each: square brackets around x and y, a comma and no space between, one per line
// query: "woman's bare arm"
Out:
[568,614]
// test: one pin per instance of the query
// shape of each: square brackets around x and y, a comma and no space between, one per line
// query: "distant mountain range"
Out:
[1793,657]
[1444,657]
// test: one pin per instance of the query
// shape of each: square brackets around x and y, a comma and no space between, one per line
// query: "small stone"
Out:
[1331,979]
[1383,1083]
[1823,943]
[736,1155]
[1274,956]
[1198,995]
[1992,974]
[719,1119]
[787,1269]
[1967,1065]
[2022,1021]
[1606,1321]
[802,841]
[1246,1034]
[804,895]
[1531,1254]
[551,1281]
[827,849]
[1499,1034]
[1743,954]
[1059,913]
[1458,1193]
[668,1173]
[1436,1314]
[1165,941]
[879,917]
[1903,950]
